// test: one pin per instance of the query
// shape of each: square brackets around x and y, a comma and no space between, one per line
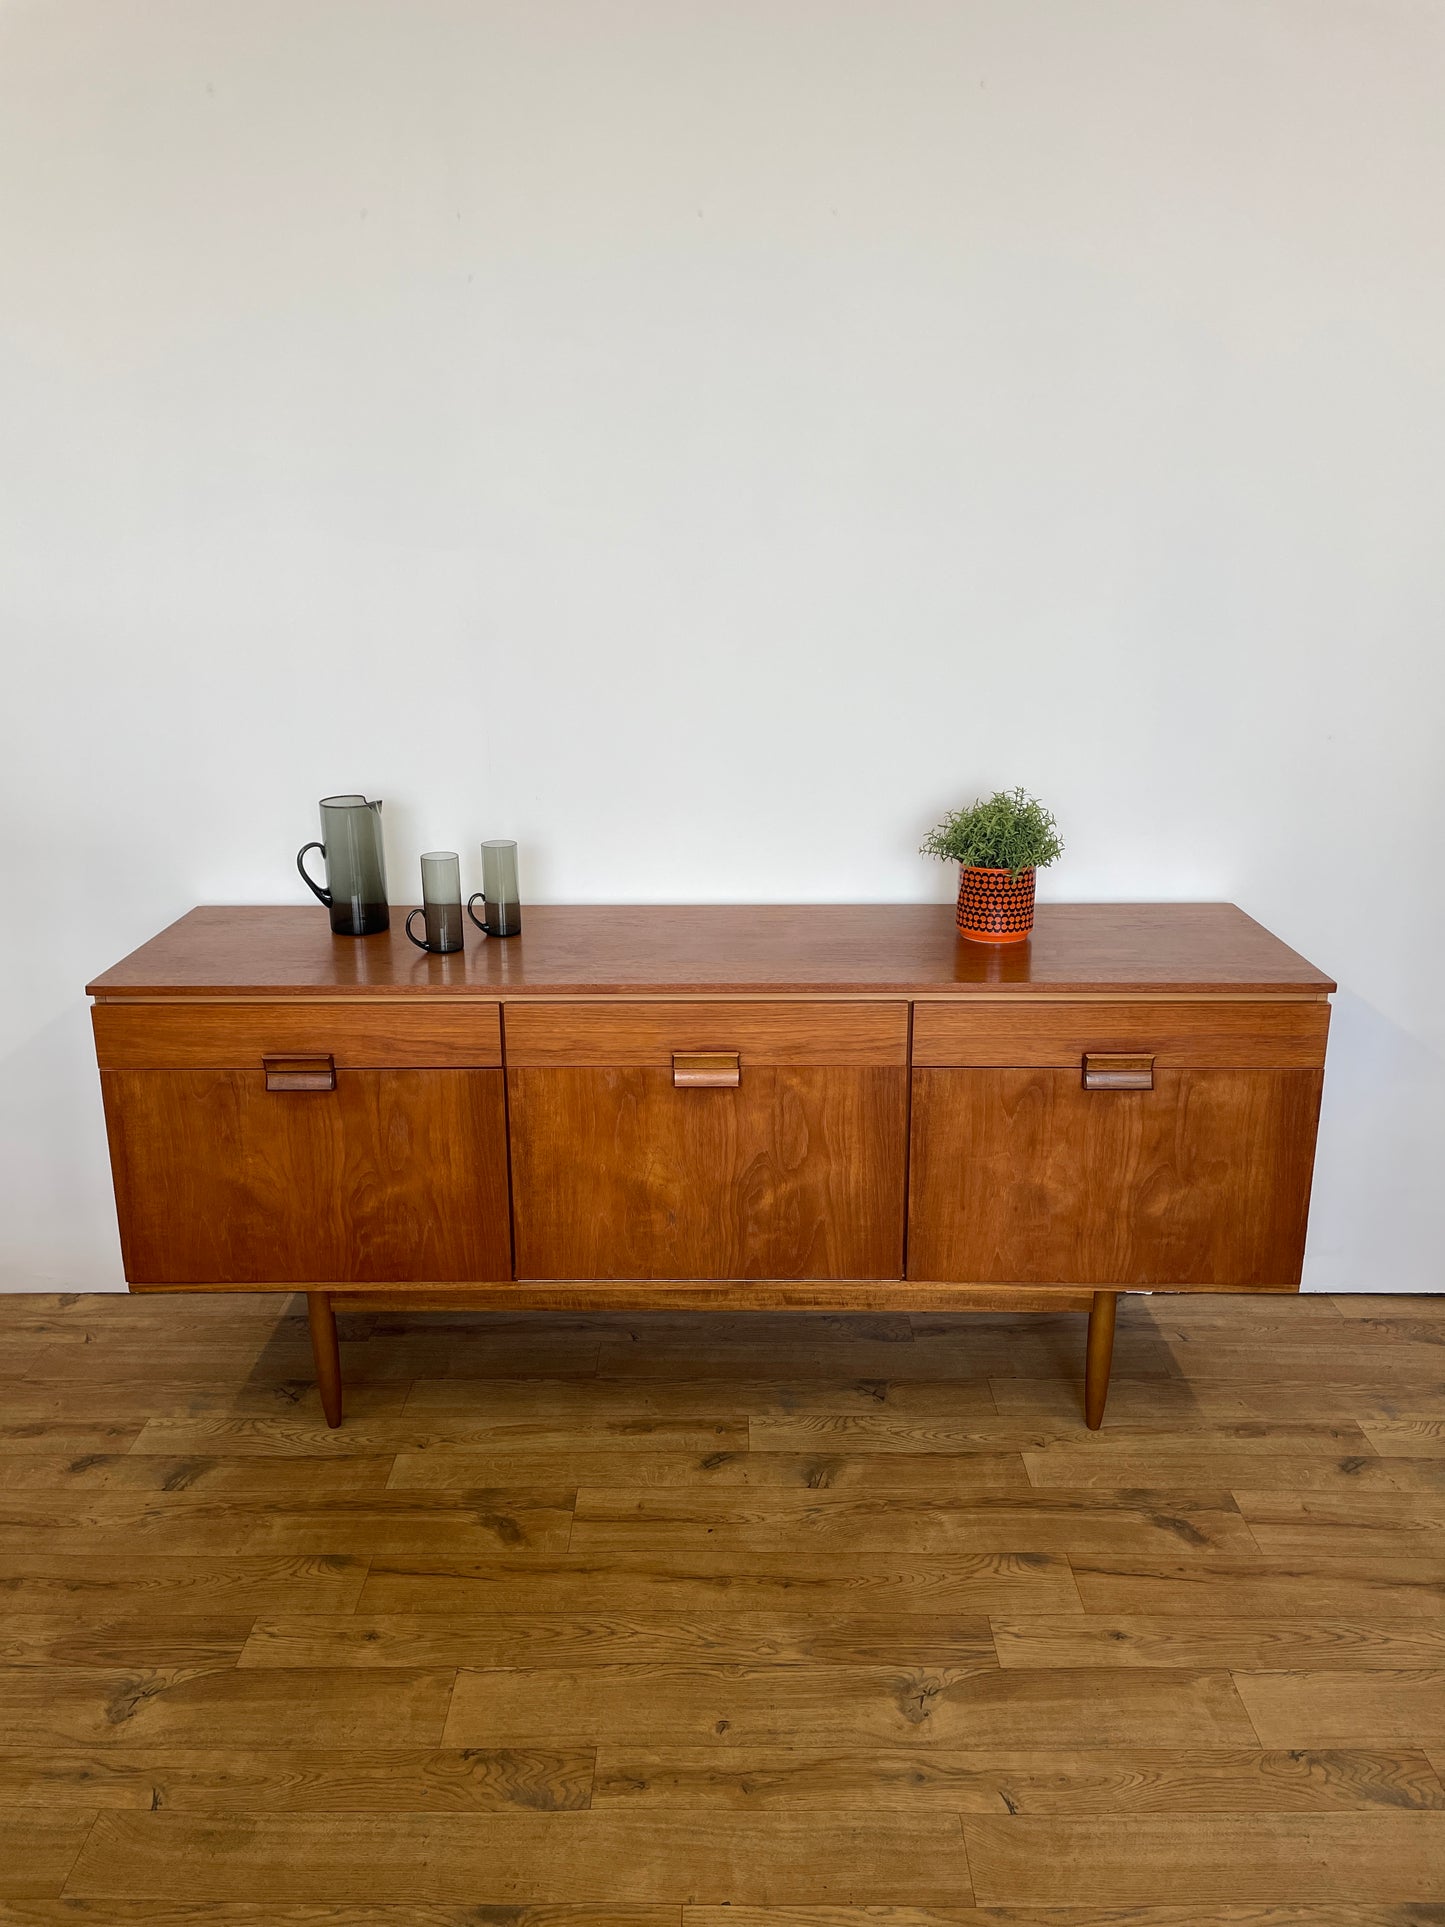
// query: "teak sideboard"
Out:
[819,1107]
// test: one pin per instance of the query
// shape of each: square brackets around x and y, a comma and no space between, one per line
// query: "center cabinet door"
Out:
[708,1140]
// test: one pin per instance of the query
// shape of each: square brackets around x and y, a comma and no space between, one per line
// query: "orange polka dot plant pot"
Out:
[995,906]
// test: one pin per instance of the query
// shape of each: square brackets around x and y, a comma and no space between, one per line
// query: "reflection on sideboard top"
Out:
[895,949]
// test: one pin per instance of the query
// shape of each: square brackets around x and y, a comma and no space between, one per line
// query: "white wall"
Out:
[704,441]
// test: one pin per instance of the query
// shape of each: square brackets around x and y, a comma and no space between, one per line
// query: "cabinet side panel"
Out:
[393,1176]
[1023,1176]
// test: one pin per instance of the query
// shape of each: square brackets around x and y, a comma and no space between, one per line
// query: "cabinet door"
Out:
[1024,1176]
[392,1176]
[622,1169]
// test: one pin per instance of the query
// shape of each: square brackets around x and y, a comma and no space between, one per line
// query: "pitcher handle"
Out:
[315,888]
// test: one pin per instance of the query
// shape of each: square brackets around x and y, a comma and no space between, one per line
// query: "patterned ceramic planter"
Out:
[995,906]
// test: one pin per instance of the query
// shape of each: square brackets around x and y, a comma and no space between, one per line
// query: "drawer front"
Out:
[1268,1036]
[1024,1176]
[791,1171]
[390,1176]
[135,1037]
[557,1035]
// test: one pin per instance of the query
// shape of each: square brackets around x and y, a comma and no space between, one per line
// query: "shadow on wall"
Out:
[56,1203]
[1375,1073]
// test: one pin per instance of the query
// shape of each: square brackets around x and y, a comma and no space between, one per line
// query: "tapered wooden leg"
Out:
[327,1353]
[1100,1356]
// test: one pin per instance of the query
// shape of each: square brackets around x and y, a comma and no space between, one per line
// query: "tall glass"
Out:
[499,890]
[441,902]
[355,891]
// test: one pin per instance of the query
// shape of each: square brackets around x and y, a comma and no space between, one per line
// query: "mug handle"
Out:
[322,896]
[418,941]
[477,896]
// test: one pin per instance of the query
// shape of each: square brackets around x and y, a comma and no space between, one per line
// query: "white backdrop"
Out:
[705,441]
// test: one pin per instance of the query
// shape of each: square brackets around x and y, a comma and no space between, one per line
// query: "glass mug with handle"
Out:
[441,903]
[499,890]
[350,846]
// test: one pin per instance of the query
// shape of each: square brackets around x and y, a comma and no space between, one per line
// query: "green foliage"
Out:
[1011,831]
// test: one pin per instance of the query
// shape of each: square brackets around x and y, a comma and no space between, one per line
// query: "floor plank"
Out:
[645,1582]
[1339,1709]
[532,1639]
[1199,1398]
[76,1912]
[1262,1914]
[623,1519]
[607,1858]
[1215,1585]
[304,1779]
[1186,1434]
[73,1436]
[1407,1438]
[1062,1466]
[847,1705]
[1110,1640]
[203,1476]
[131,1582]
[187,1705]
[109,1525]
[1021,1350]
[711,1398]
[949,1478]
[980,1779]
[1143,1858]
[38,1850]
[140,1639]
[1365,1524]
[557,1435]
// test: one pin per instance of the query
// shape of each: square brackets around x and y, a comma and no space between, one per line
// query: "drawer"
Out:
[1276,1035]
[558,1036]
[134,1037]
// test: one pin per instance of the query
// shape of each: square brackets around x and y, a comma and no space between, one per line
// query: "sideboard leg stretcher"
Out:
[1100,1357]
[327,1353]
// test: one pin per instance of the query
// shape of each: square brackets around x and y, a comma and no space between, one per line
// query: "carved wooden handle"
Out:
[316,1073]
[1110,1070]
[705,1069]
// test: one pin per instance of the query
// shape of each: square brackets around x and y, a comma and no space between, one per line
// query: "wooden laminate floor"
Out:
[715,1621]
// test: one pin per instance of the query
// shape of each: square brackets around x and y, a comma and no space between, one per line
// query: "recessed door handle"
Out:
[1106,1070]
[314,1073]
[705,1069]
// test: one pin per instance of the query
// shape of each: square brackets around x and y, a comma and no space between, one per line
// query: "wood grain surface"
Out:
[395,1174]
[703,949]
[799,1172]
[627,1033]
[1178,1036]
[592,1619]
[1024,1174]
[236,1036]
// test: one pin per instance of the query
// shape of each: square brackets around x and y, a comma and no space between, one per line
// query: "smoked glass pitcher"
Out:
[350,845]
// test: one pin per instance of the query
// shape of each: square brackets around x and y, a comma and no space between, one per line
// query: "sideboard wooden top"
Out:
[896,949]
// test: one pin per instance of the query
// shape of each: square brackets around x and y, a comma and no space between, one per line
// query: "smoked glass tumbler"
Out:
[498,894]
[441,902]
